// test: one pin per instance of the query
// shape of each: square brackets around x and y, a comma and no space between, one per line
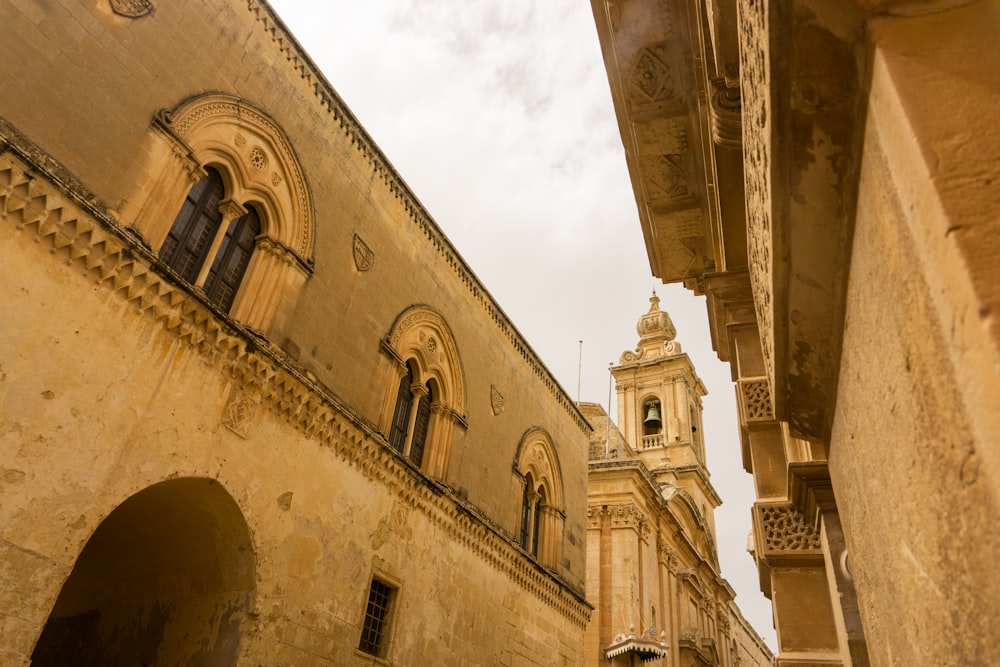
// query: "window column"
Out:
[230,211]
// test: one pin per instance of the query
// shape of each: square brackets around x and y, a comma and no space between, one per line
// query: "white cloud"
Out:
[499,116]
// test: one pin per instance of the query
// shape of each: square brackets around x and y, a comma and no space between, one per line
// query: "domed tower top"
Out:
[656,335]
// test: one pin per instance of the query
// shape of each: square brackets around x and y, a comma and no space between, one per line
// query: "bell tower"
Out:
[659,409]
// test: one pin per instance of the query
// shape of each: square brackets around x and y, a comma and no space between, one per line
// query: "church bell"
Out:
[652,419]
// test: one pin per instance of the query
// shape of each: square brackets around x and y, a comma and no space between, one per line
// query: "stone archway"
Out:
[167,578]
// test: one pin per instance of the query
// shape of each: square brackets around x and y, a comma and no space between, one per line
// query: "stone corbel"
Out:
[727,117]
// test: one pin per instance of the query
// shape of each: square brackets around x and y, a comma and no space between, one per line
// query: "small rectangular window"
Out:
[375,628]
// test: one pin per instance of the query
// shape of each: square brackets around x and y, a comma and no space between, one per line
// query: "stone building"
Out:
[254,407]
[825,172]
[652,565]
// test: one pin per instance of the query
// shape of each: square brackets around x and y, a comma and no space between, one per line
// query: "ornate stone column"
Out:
[230,210]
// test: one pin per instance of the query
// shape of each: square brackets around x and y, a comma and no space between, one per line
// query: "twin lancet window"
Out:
[409,425]
[210,242]
[531,515]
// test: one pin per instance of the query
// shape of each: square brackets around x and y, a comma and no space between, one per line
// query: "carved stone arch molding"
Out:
[420,339]
[536,460]
[259,167]
[537,455]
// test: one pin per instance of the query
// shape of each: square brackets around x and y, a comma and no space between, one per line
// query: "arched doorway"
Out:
[167,578]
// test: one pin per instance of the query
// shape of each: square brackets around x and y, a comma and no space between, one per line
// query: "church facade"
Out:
[652,565]
[254,407]
[825,173]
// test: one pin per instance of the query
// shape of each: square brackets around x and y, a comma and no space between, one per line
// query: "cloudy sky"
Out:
[498,115]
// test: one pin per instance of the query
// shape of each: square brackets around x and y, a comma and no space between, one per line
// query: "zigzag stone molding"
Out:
[45,206]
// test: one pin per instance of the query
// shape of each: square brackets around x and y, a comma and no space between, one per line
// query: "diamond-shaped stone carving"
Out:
[651,77]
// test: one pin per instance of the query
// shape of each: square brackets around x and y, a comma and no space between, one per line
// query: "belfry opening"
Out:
[167,578]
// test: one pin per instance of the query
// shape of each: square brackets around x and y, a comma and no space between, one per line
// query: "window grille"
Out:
[373,631]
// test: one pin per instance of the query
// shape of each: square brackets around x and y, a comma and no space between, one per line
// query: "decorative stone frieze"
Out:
[629,516]
[651,81]
[755,68]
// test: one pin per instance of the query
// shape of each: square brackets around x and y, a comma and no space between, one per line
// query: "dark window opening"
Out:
[420,427]
[538,521]
[526,513]
[373,631]
[191,235]
[401,415]
[232,260]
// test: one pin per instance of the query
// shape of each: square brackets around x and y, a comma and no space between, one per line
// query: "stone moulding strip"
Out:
[330,100]
[37,195]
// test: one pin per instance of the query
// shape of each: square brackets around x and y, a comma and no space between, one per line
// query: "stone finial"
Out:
[655,323]
[656,334]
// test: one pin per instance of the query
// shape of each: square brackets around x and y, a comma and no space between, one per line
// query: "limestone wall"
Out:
[115,377]
[913,455]
[102,398]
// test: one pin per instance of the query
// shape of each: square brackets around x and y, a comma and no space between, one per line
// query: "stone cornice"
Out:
[650,490]
[45,205]
[348,123]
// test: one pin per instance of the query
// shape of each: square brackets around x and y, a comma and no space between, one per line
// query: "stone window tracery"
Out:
[254,261]
[211,240]
[411,417]
[542,515]
[425,397]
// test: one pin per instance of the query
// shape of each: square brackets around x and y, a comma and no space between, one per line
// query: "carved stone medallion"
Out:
[364,257]
[132,9]
[239,412]
[496,400]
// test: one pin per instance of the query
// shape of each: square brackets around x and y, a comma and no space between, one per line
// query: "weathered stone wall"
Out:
[114,378]
[102,400]
[913,455]
[85,85]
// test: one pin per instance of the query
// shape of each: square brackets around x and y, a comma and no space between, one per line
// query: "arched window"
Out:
[537,519]
[425,395]
[251,261]
[527,513]
[542,516]
[652,417]
[232,259]
[420,423]
[401,414]
[211,240]
[195,226]
[408,434]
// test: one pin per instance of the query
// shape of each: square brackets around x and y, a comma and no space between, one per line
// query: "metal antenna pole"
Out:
[607,440]
[579,371]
